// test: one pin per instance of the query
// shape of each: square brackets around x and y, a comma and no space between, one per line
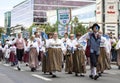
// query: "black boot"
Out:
[54,76]
[18,68]
[91,76]
[76,74]
[96,77]
[118,67]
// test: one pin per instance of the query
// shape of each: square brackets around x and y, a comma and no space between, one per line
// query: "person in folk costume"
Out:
[38,38]
[94,41]
[69,54]
[6,51]
[55,52]
[79,57]
[33,54]
[45,57]
[1,52]
[64,40]
[118,54]
[103,62]
[87,51]
[20,45]
[108,49]
[26,53]
[12,57]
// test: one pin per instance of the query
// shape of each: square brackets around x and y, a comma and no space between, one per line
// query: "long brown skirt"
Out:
[69,63]
[45,64]
[103,62]
[118,57]
[33,58]
[79,62]
[54,59]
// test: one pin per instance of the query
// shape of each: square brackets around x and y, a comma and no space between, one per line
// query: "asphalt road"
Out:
[10,74]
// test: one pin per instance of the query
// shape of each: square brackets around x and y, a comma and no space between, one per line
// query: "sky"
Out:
[7,5]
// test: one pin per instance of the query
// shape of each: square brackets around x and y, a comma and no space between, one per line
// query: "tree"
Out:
[2,30]
[78,27]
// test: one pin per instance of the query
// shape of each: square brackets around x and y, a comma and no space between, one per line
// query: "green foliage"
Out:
[78,27]
[30,28]
[1,30]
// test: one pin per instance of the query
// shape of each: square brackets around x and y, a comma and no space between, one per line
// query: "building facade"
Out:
[34,11]
[7,22]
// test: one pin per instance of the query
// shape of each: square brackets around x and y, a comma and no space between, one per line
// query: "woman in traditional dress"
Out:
[79,57]
[33,54]
[69,54]
[65,39]
[118,54]
[55,53]
[103,62]
[45,57]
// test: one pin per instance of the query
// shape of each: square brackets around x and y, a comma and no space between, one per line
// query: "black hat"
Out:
[94,25]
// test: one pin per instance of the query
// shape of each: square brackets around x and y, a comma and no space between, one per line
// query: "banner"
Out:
[63,18]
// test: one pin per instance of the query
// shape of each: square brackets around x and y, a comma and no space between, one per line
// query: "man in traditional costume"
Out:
[94,39]
[20,45]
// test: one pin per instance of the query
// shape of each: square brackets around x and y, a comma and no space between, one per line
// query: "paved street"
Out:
[10,74]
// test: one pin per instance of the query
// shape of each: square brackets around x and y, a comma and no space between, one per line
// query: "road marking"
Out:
[41,77]
[6,65]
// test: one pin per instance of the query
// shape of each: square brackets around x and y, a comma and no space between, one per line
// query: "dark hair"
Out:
[94,25]
[66,34]
[35,33]
[78,34]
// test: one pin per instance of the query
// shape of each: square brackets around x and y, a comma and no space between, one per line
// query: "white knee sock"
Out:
[94,69]
[19,64]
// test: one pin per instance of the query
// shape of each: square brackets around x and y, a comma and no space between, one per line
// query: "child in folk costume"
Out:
[33,54]
[69,54]
[26,53]
[7,51]
[55,54]
[79,57]
[64,40]
[12,57]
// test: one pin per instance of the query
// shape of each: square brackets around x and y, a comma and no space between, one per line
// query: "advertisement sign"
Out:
[111,17]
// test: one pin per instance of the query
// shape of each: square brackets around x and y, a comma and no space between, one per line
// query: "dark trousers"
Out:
[94,59]
[20,53]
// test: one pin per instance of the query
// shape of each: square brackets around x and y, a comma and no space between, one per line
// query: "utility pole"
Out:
[103,16]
